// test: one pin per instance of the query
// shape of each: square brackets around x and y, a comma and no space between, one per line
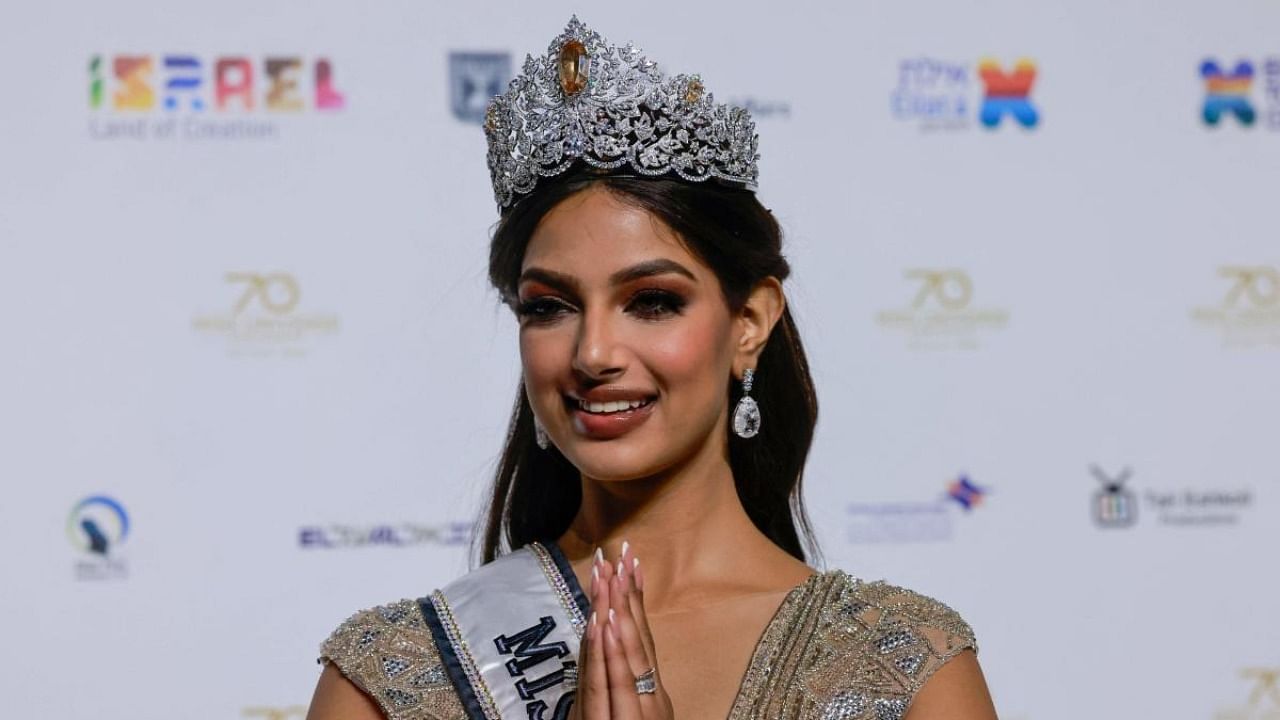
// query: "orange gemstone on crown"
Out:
[693,91]
[574,64]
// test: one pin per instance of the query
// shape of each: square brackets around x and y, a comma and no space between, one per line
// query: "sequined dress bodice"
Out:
[837,649]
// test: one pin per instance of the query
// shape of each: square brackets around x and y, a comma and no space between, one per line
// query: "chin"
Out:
[608,462]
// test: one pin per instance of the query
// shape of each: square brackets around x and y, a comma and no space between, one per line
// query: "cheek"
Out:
[691,351]
[542,355]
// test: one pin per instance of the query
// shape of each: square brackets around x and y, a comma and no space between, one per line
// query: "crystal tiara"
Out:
[609,106]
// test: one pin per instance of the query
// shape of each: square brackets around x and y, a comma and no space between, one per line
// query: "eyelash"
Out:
[547,309]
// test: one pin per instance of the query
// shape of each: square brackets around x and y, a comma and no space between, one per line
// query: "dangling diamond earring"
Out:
[540,434]
[746,416]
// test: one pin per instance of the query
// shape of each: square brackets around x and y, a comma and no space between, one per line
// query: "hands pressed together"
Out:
[618,668]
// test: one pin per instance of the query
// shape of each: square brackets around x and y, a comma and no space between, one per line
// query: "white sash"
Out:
[509,633]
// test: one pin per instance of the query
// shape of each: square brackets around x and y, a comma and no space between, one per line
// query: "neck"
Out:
[687,526]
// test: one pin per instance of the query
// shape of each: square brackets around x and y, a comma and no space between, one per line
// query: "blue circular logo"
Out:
[97,524]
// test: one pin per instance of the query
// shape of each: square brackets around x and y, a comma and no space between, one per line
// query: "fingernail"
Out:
[619,568]
[612,615]
[593,618]
[595,577]
[635,563]
[599,556]
[625,545]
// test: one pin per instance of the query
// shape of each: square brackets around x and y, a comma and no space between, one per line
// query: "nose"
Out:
[598,354]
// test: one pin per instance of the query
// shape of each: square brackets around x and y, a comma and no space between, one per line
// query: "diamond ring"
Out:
[646,684]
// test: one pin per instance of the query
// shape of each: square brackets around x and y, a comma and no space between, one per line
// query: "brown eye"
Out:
[656,304]
[542,309]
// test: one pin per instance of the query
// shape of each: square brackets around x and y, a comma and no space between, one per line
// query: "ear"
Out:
[755,321]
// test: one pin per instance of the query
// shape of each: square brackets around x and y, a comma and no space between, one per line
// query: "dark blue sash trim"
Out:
[570,579]
[452,665]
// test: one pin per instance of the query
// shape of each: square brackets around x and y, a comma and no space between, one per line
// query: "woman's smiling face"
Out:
[625,338]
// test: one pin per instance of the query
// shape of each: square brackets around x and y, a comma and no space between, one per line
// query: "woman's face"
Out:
[625,338]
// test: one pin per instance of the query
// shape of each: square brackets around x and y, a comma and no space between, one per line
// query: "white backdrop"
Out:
[263,335]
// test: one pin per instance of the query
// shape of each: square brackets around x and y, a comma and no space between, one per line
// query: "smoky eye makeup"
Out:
[650,304]
[541,308]
[646,299]
[656,303]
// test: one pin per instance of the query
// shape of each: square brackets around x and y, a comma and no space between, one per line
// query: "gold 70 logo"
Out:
[277,292]
[1267,685]
[951,289]
[1259,283]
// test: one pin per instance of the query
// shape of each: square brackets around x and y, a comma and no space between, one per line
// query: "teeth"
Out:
[609,407]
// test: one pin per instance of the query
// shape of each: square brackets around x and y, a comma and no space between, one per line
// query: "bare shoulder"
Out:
[383,663]
[337,698]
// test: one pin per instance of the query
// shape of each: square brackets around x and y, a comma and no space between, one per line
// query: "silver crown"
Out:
[609,106]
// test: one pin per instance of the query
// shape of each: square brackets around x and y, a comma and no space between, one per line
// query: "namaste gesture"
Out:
[618,676]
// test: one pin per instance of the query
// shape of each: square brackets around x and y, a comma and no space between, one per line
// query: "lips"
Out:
[604,415]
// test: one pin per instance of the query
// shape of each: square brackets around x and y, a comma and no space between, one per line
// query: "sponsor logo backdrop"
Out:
[254,379]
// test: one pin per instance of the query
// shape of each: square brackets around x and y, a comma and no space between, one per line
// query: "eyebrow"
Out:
[648,268]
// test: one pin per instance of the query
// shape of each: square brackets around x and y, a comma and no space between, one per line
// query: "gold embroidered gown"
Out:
[837,649]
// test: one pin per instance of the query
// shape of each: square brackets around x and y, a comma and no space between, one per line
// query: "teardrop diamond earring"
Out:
[540,434]
[746,416]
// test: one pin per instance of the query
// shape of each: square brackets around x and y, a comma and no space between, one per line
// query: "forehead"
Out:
[593,233]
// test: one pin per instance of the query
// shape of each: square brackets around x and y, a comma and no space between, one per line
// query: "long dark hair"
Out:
[537,492]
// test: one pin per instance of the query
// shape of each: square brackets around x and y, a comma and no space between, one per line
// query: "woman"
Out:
[665,413]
